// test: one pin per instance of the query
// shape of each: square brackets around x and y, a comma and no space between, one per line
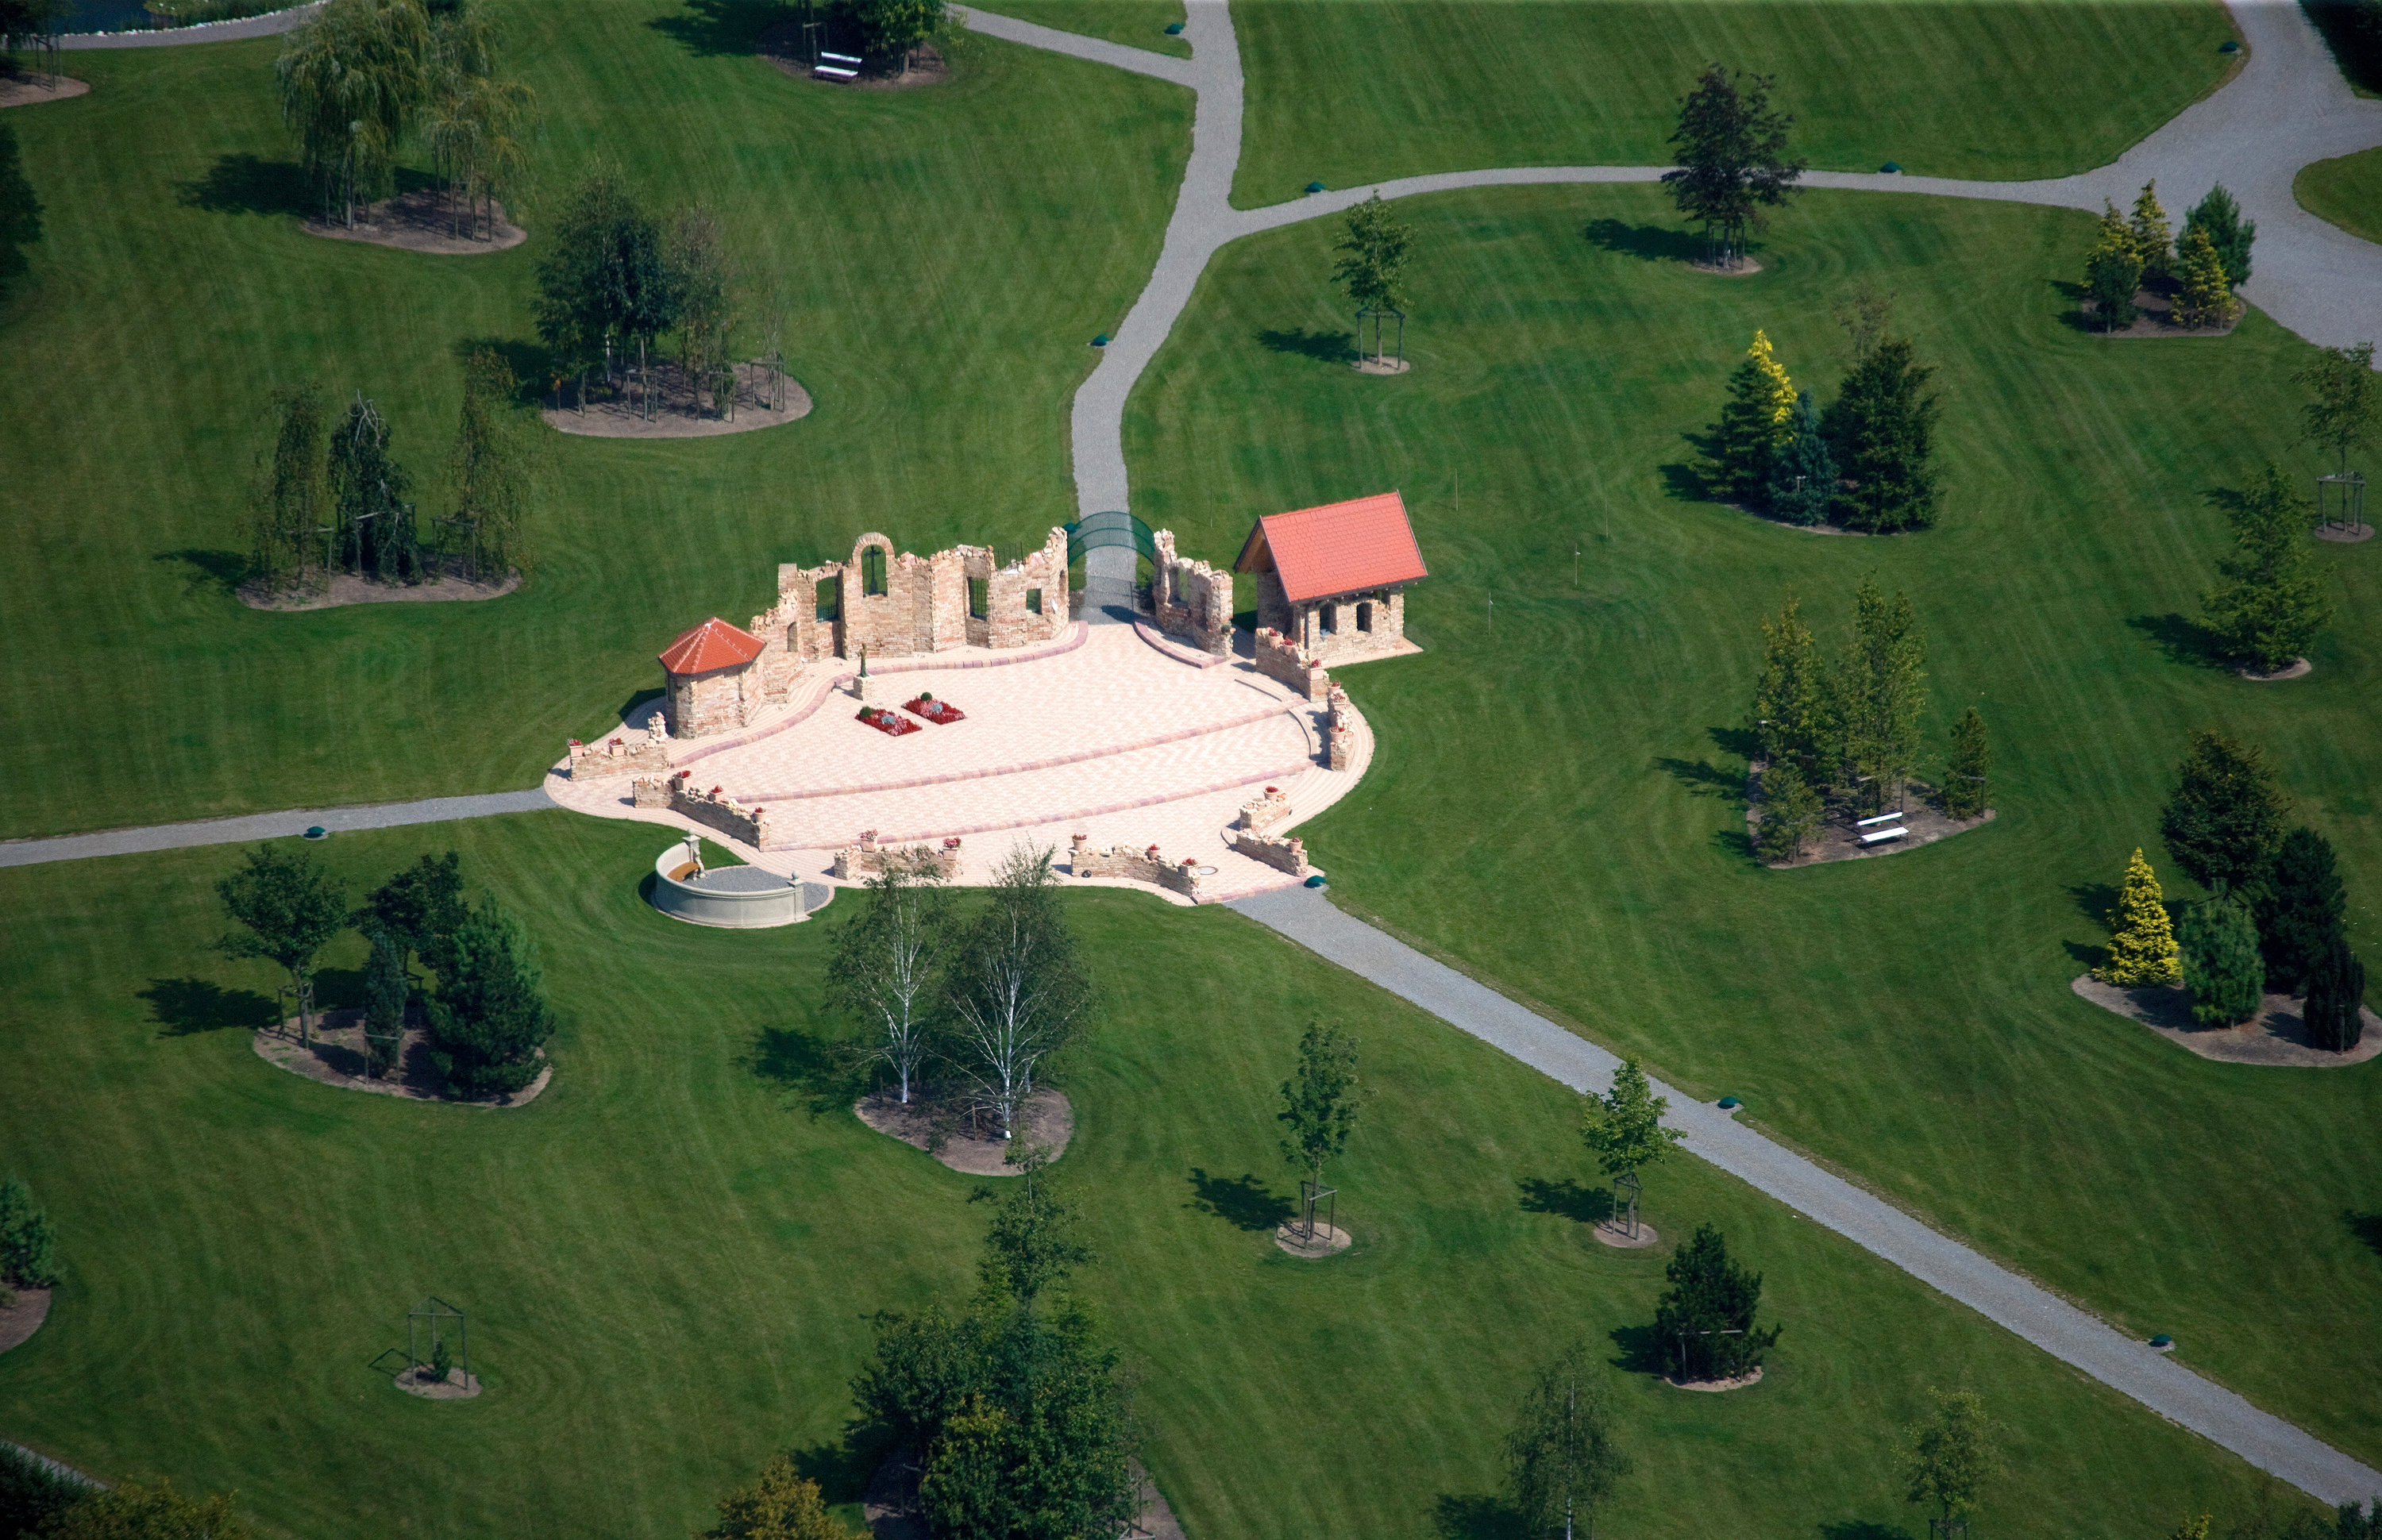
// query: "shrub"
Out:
[32,1495]
[2220,962]
[28,1246]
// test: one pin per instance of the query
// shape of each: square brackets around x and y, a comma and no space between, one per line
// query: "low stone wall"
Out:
[1143,864]
[1284,853]
[616,756]
[713,808]
[868,858]
[1281,659]
[1339,734]
[1263,811]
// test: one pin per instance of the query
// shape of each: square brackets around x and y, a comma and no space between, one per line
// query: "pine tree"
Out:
[1790,813]
[491,1013]
[2225,817]
[1803,473]
[1879,692]
[2113,270]
[1791,704]
[2270,605]
[2335,1013]
[2203,300]
[27,1245]
[2303,911]
[1754,423]
[385,989]
[2149,227]
[2142,941]
[2220,961]
[1965,781]
[1883,430]
[1703,1323]
[2220,217]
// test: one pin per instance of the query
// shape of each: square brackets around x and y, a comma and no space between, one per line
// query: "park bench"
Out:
[1876,835]
[1881,818]
[837,67]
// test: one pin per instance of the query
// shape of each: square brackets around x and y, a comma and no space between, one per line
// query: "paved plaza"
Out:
[1108,733]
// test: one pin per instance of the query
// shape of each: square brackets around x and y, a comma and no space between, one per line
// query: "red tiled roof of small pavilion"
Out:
[1365,543]
[713,644]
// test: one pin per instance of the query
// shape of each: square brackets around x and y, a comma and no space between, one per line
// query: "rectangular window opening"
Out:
[872,570]
[977,589]
[1033,601]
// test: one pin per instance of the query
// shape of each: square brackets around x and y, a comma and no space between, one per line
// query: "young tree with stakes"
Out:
[888,961]
[1882,429]
[2225,818]
[1320,1102]
[1755,422]
[1949,1456]
[2303,912]
[2221,966]
[2219,217]
[2269,606]
[2113,270]
[1624,1129]
[604,280]
[1731,158]
[2143,952]
[1803,472]
[1375,247]
[369,518]
[287,908]
[1016,986]
[1562,1461]
[1032,1243]
[2344,408]
[1703,1323]
[1966,782]
[703,281]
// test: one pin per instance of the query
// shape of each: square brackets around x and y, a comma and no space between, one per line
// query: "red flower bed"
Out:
[890,723]
[937,712]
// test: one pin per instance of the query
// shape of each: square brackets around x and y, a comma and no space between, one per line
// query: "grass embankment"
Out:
[948,253]
[1135,23]
[1351,93]
[1558,804]
[2346,190]
[669,1257]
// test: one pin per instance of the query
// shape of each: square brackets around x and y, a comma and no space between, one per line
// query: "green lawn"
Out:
[1347,92]
[950,254]
[1138,23]
[669,1258]
[2347,190]
[1557,805]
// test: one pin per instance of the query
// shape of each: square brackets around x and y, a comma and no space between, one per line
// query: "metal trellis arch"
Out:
[1116,528]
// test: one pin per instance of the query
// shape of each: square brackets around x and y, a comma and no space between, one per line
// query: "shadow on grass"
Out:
[1701,777]
[1863,1529]
[809,1070]
[1744,742]
[246,184]
[532,365]
[1244,1202]
[2093,900]
[184,1006]
[2365,1227]
[1639,1353]
[1329,346]
[2183,639]
[2089,956]
[1651,243]
[1685,483]
[842,1469]
[712,28]
[1587,1205]
[220,571]
[1475,1516]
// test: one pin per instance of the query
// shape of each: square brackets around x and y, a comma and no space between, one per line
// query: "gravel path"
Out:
[2060,1330]
[267,826]
[206,32]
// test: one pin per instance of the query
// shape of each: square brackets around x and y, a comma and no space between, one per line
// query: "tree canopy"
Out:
[490,1014]
[1016,987]
[2268,605]
[351,77]
[287,908]
[1950,1455]
[1703,1323]
[1881,426]
[2225,817]
[20,213]
[1561,1458]
[778,1504]
[1731,156]
[1319,1100]
[1624,1130]
[2219,217]
[2343,412]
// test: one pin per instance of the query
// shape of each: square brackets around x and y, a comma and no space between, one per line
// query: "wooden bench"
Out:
[1881,818]
[1873,838]
[837,67]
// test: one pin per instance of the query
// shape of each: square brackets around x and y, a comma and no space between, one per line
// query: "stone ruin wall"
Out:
[1339,732]
[868,858]
[925,606]
[1191,598]
[1141,863]
[713,808]
[618,756]
[1284,853]
[1283,660]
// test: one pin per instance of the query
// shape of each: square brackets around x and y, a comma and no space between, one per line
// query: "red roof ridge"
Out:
[713,644]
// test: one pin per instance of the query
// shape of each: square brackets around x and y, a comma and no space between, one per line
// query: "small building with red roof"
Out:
[711,678]
[1331,579]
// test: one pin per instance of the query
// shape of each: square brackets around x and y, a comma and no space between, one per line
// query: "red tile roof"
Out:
[1338,548]
[713,644]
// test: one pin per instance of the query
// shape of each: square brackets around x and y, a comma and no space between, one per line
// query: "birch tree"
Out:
[889,961]
[1016,988]
[1560,1458]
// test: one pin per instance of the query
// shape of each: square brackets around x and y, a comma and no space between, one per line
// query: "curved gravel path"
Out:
[2288,107]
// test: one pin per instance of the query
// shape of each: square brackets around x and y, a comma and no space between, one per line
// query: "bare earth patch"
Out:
[890,1505]
[1291,1237]
[2157,319]
[346,588]
[1736,1382]
[2297,669]
[1613,1235]
[1841,841]
[338,1058]
[423,221]
[20,1321]
[1381,366]
[420,1381]
[1046,1119]
[1735,267]
[27,90]
[2345,534]
[2278,1035]
[675,412]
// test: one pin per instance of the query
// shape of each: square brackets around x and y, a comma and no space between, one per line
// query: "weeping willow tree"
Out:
[291,500]
[489,469]
[351,78]
[476,121]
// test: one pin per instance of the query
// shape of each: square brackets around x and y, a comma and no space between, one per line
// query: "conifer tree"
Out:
[385,989]
[2113,270]
[2142,940]
[2269,606]
[1882,429]
[2149,227]
[1803,473]
[2335,1000]
[1790,813]
[2225,817]
[1754,423]
[1965,779]
[2203,300]
[2303,911]
[1879,692]
[2220,217]
[2221,966]
[491,1013]
[1791,704]
[1703,1323]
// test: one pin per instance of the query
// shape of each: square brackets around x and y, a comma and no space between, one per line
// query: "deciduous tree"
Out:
[2113,270]
[1731,158]
[2203,298]
[1703,1323]
[1952,1454]
[372,521]
[20,213]
[2344,407]
[888,961]
[1319,1101]
[421,908]
[1791,701]
[604,280]
[351,77]
[1016,986]
[491,470]
[1967,776]
[1757,418]
[1033,1240]
[895,28]
[2303,911]
[2225,818]
[704,282]
[1883,430]
[289,504]
[2220,217]
[1803,472]
[2142,938]
[1375,247]
[1624,1129]
[490,1013]
[2336,1006]
[287,908]
[2221,966]
[778,1504]
[1562,1459]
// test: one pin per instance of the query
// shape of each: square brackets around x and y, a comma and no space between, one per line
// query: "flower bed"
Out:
[890,723]
[937,712]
